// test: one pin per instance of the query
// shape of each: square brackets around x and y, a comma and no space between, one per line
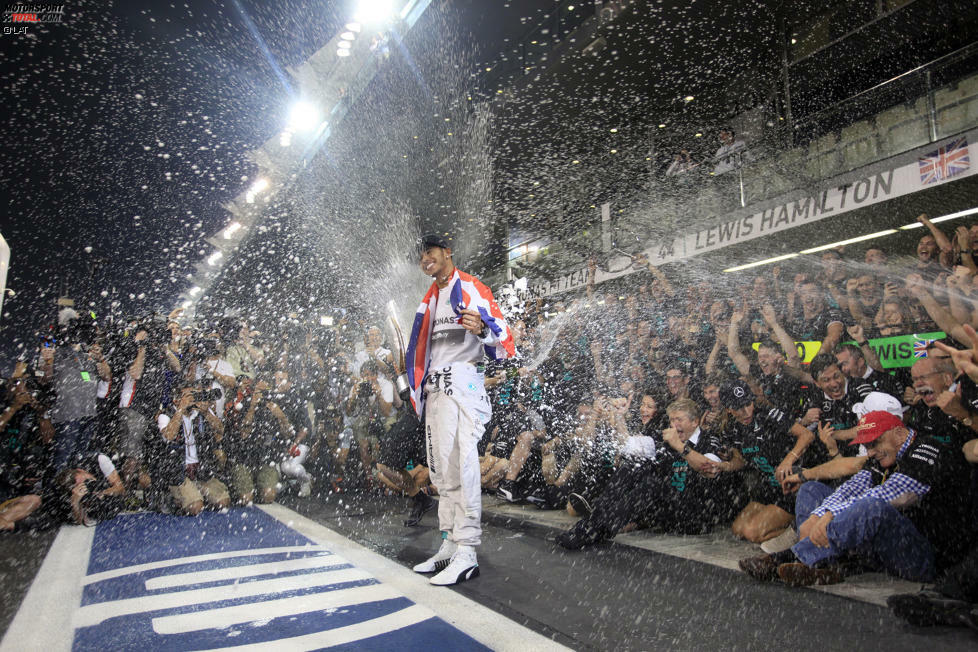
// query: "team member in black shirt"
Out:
[906,511]
[852,362]
[771,443]
[835,399]
[671,492]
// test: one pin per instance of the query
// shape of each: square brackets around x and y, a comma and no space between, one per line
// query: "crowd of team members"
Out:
[679,406]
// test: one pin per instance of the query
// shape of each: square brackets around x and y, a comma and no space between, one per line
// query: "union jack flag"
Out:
[467,292]
[946,162]
[920,348]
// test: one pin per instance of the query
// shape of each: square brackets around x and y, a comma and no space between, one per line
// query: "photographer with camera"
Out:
[205,362]
[268,425]
[86,494]
[149,364]
[370,405]
[71,367]
[25,432]
[373,342]
[189,454]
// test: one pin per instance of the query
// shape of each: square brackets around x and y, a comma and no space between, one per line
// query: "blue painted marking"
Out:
[135,539]
[143,538]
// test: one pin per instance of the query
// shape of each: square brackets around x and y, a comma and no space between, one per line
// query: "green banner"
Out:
[893,352]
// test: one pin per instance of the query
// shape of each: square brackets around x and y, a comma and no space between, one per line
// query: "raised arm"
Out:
[941,316]
[733,344]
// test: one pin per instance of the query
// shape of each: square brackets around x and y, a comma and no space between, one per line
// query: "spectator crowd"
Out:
[649,402]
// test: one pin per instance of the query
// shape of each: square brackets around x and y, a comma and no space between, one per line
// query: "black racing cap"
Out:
[736,394]
[432,240]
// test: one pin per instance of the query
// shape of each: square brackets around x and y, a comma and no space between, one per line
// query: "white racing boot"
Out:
[440,559]
[463,566]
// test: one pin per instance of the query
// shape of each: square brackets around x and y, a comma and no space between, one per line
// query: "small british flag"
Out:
[920,348]
[946,162]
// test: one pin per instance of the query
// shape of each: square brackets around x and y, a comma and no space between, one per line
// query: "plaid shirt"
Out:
[861,486]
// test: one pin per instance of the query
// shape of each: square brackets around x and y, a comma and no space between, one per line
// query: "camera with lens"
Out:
[206,348]
[207,395]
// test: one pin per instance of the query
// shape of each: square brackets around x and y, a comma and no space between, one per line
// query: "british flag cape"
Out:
[468,292]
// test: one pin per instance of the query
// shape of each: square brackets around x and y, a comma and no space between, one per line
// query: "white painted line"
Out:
[481,623]
[246,613]
[43,621]
[341,635]
[238,572]
[94,614]
[165,563]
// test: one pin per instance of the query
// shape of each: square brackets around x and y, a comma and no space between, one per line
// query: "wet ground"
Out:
[643,592]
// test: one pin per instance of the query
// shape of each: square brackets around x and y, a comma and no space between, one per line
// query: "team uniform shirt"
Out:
[816,329]
[507,399]
[449,343]
[936,475]
[687,501]
[783,391]
[880,381]
[839,413]
[567,382]
[463,291]
[764,444]
[644,440]
[936,424]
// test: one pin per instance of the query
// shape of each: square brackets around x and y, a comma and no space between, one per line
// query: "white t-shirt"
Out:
[386,390]
[450,343]
[189,435]
[362,356]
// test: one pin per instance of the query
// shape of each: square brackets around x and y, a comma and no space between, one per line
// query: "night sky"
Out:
[127,126]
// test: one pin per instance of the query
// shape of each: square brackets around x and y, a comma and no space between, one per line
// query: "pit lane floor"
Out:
[636,594]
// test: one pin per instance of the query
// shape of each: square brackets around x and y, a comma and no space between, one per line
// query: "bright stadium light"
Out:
[342,53]
[374,11]
[344,45]
[214,257]
[348,36]
[231,229]
[353,27]
[304,116]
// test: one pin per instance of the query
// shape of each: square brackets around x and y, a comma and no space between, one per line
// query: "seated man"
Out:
[669,492]
[905,511]
[763,441]
[835,400]
[399,467]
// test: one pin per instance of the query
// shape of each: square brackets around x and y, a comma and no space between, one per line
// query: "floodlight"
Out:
[304,116]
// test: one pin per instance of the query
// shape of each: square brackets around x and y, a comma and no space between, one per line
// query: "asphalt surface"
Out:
[617,597]
[611,597]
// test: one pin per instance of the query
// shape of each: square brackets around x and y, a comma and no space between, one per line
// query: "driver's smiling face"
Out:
[436,261]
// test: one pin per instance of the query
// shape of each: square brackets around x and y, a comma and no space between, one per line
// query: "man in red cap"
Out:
[906,511]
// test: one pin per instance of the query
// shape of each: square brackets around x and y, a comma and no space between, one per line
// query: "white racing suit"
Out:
[456,412]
